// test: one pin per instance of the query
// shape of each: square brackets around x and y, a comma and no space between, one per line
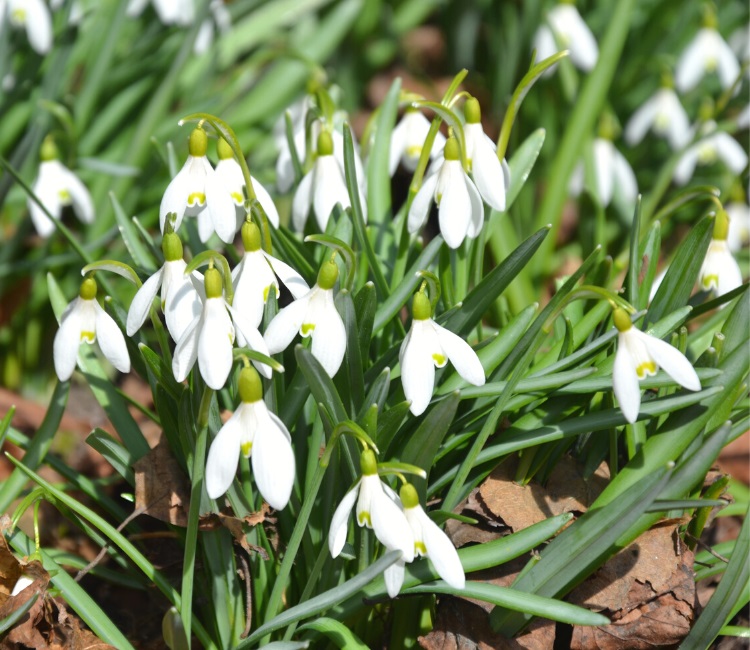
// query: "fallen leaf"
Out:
[161,487]
[486,529]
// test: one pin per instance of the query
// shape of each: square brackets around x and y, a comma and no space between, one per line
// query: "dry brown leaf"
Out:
[486,529]
[161,487]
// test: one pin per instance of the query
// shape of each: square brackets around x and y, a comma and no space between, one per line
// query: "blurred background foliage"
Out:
[113,88]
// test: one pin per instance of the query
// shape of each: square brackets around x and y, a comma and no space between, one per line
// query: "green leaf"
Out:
[9,621]
[345,306]
[649,254]
[141,254]
[634,267]
[320,384]
[340,635]
[389,423]
[162,372]
[378,178]
[365,304]
[735,329]
[113,266]
[114,453]
[521,163]
[494,283]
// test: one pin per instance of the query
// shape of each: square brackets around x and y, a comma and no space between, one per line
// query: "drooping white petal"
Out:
[220,207]
[440,550]
[329,188]
[545,45]
[38,25]
[624,177]
[727,66]
[79,195]
[678,128]
[142,302]
[454,209]
[110,338]
[730,151]
[640,122]
[265,200]
[394,577]
[181,301]
[390,525]
[461,355]
[686,165]
[223,455]
[604,153]
[273,459]
[625,379]
[285,325]
[339,523]
[584,51]
[739,225]
[488,173]
[731,276]
[250,336]
[252,283]
[417,365]
[215,343]
[205,223]
[48,195]
[420,206]
[398,145]
[302,201]
[186,352]
[691,66]
[476,220]
[329,335]
[175,197]
[671,360]
[290,278]
[67,340]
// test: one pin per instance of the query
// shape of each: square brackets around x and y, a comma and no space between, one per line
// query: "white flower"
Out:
[180,300]
[713,145]
[56,186]
[376,510]
[428,345]
[612,173]
[229,174]
[221,17]
[720,270]
[34,17]
[707,52]
[315,315]
[739,225]
[407,140]
[170,12]
[257,432]
[209,338]
[640,354]
[85,321]
[322,188]
[739,41]
[664,114]
[460,208]
[23,581]
[196,191]
[492,176]
[565,29]
[255,276]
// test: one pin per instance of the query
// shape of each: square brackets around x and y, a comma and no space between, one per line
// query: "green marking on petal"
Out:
[266,291]
[19,15]
[87,336]
[307,329]
[363,519]
[238,199]
[420,548]
[64,195]
[414,150]
[246,448]
[439,359]
[196,197]
[645,368]
[710,282]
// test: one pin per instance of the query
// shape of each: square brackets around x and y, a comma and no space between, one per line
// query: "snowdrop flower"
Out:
[229,174]
[196,191]
[170,12]
[428,345]
[612,173]
[707,52]
[322,188]
[254,431]
[23,581]
[491,176]
[376,510]
[180,301]
[56,186]
[34,17]
[720,270]
[713,145]
[565,29]
[640,354]
[739,225]
[209,338]
[84,320]
[221,17]
[315,315]
[460,209]
[407,140]
[664,115]
[255,277]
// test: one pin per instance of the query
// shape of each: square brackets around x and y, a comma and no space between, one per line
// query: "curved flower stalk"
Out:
[407,140]
[322,188]
[611,171]
[210,336]
[196,191]
[428,345]
[720,271]
[664,115]
[257,433]
[429,542]
[229,175]
[563,29]
[180,300]
[713,145]
[34,17]
[379,511]
[314,315]
[255,277]
[639,355]
[170,12]
[84,320]
[491,175]
[56,186]
[707,52]
[460,209]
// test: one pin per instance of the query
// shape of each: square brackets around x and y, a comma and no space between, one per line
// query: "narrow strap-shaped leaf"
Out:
[365,304]
[320,383]
[115,454]
[378,178]
[339,634]
[140,252]
[345,306]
